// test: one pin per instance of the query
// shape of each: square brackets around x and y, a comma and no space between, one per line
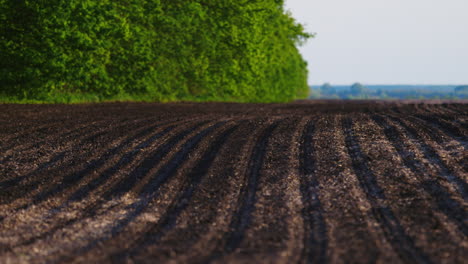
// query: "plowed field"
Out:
[308,182]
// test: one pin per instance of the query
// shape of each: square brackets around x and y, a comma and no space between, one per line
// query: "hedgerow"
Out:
[163,50]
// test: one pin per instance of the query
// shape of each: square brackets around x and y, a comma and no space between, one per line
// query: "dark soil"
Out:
[307,182]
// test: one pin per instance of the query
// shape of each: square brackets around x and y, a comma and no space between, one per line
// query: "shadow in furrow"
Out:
[430,154]
[71,179]
[393,231]
[128,157]
[17,191]
[435,134]
[13,182]
[38,130]
[51,137]
[441,197]
[155,232]
[451,130]
[315,238]
[147,164]
[151,189]
[55,159]
[451,208]
[242,216]
[366,178]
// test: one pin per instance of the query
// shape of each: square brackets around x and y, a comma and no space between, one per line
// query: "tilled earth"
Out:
[308,182]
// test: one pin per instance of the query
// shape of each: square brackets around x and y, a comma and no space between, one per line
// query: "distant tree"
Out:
[327,89]
[381,94]
[326,86]
[358,89]
[463,89]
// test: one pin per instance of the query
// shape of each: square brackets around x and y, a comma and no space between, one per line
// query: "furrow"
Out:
[451,130]
[126,184]
[36,146]
[149,192]
[315,238]
[82,192]
[306,182]
[455,211]
[269,236]
[153,233]
[124,161]
[241,219]
[202,222]
[69,147]
[440,195]
[344,204]
[16,141]
[88,210]
[452,152]
[429,154]
[393,230]
[455,119]
[50,147]
[154,158]
[70,180]
[93,167]
[365,176]
[433,133]
[6,184]
[39,178]
[403,175]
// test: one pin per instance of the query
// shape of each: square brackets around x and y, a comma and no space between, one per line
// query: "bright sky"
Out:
[385,41]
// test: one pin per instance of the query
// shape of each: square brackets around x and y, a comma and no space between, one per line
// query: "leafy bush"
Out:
[165,50]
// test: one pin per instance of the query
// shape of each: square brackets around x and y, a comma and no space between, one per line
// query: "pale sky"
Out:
[385,41]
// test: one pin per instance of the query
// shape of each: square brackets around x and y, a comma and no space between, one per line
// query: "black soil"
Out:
[306,182]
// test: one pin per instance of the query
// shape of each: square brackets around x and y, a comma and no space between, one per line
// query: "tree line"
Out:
[360,91]
[158,50]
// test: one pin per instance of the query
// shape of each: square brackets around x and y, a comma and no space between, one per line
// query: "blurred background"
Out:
[404,49]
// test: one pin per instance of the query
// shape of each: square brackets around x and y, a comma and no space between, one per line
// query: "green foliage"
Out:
[161,50]
[327,89]
[358,89]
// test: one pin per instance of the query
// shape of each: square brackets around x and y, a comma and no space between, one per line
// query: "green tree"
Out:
[358,89]
[161,49]
[327,89]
